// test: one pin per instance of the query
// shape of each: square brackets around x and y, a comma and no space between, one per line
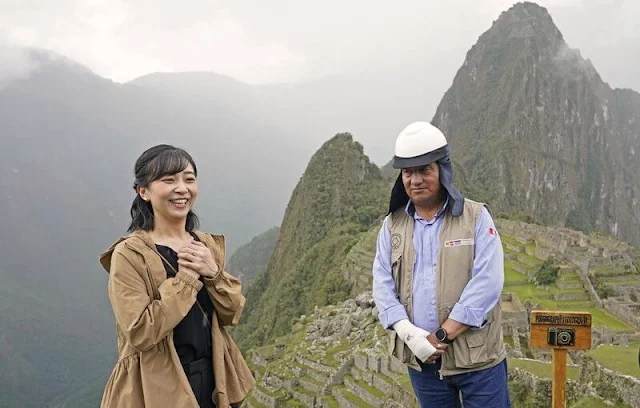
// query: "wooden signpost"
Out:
[560,331]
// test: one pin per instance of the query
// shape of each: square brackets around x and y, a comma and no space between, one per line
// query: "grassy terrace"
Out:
[607,268]
[371,390]
[512,276]
[569,277]
[311,380]
[509,240]
[405,382]
[618,358]
[600,317]
[283,369]
[555,289]
[385,378]
[352,398]
[275,394]
[624,280]
[590,402]
[542,369]
[267,351]
[304,391]
[528,259]
[330,401]
[518,283]
[330,358]
[256,367]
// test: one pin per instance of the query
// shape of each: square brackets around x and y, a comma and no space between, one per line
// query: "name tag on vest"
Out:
[458,242]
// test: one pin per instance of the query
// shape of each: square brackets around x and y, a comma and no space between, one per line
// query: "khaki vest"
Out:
[475,349]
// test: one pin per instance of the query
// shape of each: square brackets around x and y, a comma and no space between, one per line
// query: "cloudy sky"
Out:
[284,40]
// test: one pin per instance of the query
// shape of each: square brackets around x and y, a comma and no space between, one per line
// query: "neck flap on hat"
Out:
[399,197]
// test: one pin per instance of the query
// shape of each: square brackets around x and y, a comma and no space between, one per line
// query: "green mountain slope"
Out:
[252,258]
[340,195]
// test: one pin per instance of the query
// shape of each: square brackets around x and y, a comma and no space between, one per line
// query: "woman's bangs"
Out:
[168,163]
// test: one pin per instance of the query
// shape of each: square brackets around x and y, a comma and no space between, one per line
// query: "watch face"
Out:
[441,335]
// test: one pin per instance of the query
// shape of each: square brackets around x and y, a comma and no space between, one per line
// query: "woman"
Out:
[171,297]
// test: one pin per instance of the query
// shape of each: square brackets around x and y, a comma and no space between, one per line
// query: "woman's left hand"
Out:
[198,257]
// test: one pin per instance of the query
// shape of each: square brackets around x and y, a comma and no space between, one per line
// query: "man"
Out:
[437,278]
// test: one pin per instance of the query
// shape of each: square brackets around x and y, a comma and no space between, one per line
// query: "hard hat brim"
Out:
[422,160]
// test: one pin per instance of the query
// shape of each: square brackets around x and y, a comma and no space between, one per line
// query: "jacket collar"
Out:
[140,241]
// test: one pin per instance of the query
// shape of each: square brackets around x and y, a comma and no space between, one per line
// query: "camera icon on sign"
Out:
[561,336]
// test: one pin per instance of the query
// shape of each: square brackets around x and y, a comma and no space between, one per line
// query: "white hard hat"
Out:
[419,144]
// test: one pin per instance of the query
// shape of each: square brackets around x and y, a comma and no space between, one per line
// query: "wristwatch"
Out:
[441,336]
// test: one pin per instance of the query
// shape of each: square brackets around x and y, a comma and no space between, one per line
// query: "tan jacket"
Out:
[475,349]
[147,306]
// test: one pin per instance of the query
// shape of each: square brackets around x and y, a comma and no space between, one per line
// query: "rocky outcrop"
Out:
[341,357]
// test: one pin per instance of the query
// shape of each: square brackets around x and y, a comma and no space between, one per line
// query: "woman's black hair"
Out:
[153,164]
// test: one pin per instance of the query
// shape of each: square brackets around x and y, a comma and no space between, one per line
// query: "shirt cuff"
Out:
[470,316]
[392,315]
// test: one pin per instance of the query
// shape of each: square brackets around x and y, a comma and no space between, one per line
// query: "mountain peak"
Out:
[340,195]
[527,20]
[524,25]
[526,10]
[529,110]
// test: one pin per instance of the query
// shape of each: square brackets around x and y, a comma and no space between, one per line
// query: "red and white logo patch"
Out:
[492,231]
[458,242]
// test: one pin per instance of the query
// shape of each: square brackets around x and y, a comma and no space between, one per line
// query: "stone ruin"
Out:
[598,258]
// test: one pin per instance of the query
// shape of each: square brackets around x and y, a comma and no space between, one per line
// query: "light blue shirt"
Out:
[480,295]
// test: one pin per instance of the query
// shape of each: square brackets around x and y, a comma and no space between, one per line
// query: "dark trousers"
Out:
[479,389]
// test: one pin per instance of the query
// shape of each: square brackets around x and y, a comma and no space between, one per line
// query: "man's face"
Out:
[422,184]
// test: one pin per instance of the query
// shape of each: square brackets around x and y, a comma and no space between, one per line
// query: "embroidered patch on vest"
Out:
[458,242]
[396,240]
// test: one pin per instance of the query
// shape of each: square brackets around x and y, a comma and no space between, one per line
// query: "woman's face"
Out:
[172,196]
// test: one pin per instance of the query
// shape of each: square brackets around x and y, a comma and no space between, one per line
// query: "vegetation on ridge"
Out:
[340,195]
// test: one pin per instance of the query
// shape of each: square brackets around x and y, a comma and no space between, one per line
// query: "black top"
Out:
[192,338]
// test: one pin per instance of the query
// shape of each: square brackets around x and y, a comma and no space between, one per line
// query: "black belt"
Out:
[198,366]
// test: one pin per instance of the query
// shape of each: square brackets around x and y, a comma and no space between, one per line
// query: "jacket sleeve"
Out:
[145,321]
[226,293]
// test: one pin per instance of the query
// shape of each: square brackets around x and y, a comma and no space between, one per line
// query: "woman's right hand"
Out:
[197,257]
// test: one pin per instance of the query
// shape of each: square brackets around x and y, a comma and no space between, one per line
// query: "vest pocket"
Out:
[478,348]
[471,349]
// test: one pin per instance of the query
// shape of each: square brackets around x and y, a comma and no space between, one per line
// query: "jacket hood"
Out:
[105,257]
[136,240]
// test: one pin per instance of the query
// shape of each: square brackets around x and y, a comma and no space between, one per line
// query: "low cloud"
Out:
[570,61]
[15,62]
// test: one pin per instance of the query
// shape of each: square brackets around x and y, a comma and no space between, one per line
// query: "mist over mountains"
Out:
[534,130]
[70,139]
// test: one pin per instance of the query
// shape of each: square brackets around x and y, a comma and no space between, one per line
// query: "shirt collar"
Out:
[410,209]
